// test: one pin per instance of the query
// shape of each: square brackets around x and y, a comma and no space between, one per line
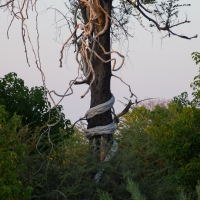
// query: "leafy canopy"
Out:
[32,106]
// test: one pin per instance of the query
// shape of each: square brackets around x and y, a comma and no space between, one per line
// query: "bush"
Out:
[12,153]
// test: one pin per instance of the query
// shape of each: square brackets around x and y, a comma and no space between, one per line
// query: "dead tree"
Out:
[94,47]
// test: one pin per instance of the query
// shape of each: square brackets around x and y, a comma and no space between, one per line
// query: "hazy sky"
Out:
[154,67]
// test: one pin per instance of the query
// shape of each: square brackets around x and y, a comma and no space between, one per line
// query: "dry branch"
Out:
[6,4]
[128,107]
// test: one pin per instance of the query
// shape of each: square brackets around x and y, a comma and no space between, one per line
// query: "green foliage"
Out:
[198,190]
[132,187]
[19,160]
[196,84]
[182,100]
[33,108]
[20,100]
[177,130]
[152,172]
[179,139]
[196,57]
[12,153]
[70,170]
[103,195]
[66,170]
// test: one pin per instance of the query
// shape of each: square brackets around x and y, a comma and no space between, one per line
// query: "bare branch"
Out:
[125,84]
[183,36]
[167,26]
[61,51]
[6,4]
[128,106]
[126,109]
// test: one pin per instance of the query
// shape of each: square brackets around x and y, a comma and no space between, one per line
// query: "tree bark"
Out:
[100,88]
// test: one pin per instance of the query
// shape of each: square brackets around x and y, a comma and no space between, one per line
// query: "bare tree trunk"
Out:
[100,88]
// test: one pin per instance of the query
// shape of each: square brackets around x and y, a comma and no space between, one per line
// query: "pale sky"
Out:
[154,68]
